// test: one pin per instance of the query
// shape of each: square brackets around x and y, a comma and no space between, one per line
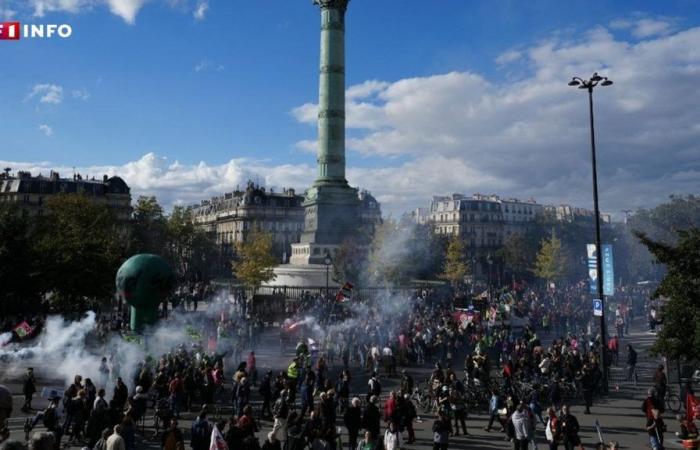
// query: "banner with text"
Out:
[608,272]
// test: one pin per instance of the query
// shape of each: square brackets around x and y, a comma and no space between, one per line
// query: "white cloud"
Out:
[307,146]
[6,13]
[508,57]
[47,130]
[465,132]
[645,27]
[47,93]
[529,136]
[126,9]
[175,183]
[201,9]
[41,7]
[81,94]
[206,65]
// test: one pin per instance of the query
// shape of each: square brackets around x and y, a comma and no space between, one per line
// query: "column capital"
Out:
[332,4]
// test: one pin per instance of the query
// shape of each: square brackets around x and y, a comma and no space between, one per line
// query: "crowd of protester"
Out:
[498,340]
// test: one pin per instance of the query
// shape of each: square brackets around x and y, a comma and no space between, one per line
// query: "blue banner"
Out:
[608,272]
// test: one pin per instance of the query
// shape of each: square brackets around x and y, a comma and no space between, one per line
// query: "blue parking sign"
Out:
[597,307]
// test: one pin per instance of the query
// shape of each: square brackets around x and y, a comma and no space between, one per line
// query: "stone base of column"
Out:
[311,253]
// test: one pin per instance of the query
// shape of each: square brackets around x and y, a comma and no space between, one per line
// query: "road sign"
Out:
[597,307]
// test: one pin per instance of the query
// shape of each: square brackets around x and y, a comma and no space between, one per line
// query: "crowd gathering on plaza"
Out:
[523,355]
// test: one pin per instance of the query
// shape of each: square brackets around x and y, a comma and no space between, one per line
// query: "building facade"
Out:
[568,213]
[232,216]
[30,193]
[484,222]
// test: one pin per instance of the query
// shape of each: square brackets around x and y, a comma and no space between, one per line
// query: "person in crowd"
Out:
[392,437]
[42,440]
[271,443]
[200,432]
[172,438]
[353,422]
[660,384]
[28,389]
[655,428]
[495,405]
[371,418]
[442,429]
[101,444]
[552,429]
[569,429]
[631,364]
[116,441]
[521,427]
[367,443]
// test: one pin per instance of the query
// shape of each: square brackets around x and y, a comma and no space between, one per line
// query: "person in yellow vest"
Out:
[292,379]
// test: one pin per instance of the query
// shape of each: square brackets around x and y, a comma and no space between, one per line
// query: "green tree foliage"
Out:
[149,227]
[549,262]
[517,255]
[455,267]
[255,260]
[80,245]
[190,251]
[680,336]
[19,264]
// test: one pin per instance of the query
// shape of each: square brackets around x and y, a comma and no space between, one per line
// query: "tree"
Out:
[549,263]
[680,336]
[516,255]
[19,262]
[255,260]
[79,241]
[456,267]
[149,227]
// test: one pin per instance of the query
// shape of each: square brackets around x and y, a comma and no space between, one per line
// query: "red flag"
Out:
[23,329]
[344,293]
[692,407]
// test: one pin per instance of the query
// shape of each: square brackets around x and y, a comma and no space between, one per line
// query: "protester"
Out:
[655,427]
[28,389]
[116,441]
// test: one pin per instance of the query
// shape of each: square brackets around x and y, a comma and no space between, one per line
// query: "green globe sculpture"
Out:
[144,281]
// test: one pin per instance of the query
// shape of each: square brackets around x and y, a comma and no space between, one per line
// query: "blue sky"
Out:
[182,90]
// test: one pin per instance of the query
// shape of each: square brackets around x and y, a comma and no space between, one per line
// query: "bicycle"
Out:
[673,401]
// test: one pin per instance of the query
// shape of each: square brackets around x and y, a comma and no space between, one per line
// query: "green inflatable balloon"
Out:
[144,281]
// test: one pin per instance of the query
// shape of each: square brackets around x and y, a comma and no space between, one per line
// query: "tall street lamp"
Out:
[596,80]
[327,261]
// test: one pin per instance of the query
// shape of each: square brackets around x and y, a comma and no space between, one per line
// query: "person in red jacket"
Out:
[391,410]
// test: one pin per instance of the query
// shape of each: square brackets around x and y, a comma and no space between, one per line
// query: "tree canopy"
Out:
[456,266]
[255,260]
[679,338]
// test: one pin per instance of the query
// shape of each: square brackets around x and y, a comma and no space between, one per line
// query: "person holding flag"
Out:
[217,441]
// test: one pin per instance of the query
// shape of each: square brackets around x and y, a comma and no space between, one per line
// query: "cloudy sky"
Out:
[187,99]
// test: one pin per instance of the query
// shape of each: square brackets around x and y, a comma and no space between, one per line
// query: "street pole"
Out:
[598,246]
[589,85]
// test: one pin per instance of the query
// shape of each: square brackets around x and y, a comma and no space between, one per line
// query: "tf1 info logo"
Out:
[13,31]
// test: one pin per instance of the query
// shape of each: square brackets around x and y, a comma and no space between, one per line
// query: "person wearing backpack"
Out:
[201,432]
